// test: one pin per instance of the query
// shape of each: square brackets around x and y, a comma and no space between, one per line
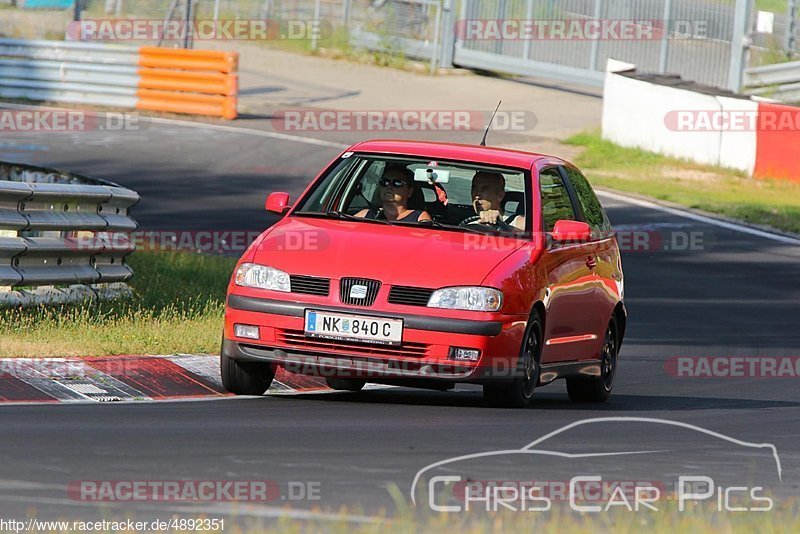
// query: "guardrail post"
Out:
[740,44]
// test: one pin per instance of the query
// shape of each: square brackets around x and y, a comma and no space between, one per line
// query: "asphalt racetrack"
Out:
[732,294]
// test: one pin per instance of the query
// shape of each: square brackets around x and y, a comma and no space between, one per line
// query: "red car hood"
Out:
[425,257]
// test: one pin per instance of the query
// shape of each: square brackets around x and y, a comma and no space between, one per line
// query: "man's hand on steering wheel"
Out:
[489,218]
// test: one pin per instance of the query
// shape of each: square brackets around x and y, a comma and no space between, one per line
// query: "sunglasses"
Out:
[397,182]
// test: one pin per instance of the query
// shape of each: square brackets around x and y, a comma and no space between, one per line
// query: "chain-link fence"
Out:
[697,39]
[776,34]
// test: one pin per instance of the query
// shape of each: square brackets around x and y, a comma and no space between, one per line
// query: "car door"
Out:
[570,324]
[604,249]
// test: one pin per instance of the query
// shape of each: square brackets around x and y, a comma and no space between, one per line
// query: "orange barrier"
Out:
[778,142]
[191,103]
[179,58]
[197,82]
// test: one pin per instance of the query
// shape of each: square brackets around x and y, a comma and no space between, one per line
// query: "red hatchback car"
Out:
[428,264]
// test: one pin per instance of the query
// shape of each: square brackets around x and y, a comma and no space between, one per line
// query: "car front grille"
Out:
[298,339]
[310,285]
[358,291]
[410,296]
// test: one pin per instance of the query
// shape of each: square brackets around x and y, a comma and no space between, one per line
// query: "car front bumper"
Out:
[425,352]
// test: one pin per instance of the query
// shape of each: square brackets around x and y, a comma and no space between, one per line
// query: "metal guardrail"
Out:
[157,79]
[780,81]
[61,229]
[71,72]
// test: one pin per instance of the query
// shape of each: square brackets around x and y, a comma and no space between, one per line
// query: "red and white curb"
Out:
[128,379]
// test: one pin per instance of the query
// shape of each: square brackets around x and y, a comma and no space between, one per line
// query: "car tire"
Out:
[599,389]
[345,384]
[518,392]
[245,378]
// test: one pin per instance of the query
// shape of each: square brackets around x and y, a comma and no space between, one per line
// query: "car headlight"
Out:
[467,298]
[262,277]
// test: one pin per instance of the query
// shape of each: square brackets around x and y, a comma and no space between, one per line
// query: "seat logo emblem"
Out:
[358,292]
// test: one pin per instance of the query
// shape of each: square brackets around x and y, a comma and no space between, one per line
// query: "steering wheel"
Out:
[500,224]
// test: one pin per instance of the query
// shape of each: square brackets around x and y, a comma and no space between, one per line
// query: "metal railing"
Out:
[61,229]
[70,72]
[780,81]
[133,77]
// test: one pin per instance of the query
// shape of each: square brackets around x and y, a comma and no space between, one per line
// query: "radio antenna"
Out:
[488,126]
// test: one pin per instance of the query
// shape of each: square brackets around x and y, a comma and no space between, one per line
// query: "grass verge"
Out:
[774,203]
[784,517]
[177,306]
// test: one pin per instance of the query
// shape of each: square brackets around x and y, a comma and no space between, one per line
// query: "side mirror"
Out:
[278,202]
[571,232]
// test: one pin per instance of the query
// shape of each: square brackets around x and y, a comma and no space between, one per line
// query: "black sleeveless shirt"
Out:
[378,214]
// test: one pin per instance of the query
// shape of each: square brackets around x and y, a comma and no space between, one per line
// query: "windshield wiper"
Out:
[332,214]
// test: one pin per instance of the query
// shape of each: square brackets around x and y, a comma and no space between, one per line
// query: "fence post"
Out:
[526,46]
[740,44]
[448,34]
[664,54]
[595,42]
[187,24]
[315,24]
[501,15]
[791,27]
[346,13]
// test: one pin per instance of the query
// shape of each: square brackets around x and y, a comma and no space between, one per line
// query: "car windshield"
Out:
[377,188]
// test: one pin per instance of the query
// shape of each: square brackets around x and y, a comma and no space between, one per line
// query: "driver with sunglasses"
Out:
[397,186]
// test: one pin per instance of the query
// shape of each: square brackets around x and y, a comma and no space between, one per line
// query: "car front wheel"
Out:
[518,392]
[599,389]
[245,378]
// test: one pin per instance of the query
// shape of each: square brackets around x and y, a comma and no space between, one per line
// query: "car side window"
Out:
[321,197]
[593,212]
[556,203]
[368,182]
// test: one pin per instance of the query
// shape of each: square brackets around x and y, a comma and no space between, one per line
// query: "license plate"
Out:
[346,327]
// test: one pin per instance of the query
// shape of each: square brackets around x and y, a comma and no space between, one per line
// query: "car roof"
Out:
[454,151]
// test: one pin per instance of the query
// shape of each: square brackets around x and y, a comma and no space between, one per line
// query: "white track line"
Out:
[248,131]
[699,218]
